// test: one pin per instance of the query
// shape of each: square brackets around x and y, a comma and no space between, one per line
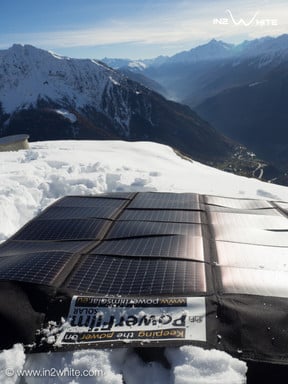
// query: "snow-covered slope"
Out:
[32,179]
[32,74]
[26,69]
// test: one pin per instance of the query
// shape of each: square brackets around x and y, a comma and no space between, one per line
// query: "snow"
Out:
[137,65]
[255,83]
[10,360]
[110,366]
[204,366]
[32,179]
[113,81]
[68,115]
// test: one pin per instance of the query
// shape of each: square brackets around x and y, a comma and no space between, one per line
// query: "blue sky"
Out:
[134,28]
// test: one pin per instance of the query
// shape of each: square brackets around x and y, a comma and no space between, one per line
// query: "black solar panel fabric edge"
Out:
[211,250]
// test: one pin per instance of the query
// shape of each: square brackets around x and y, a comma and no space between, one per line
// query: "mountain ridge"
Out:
[239,89]
[106,104]
[213,49]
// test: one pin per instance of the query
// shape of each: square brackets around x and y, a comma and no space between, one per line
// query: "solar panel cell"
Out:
[238,203]
[175,201]
[137,229]
[171,216]
[73,229]
[40,268]
[178,247]
[107,275]
[11,247]
[90,201]
[59,212]
[254,282]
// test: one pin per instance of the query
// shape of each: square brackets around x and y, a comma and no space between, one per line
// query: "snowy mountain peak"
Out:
[214,49]
[32,74]
[217,44]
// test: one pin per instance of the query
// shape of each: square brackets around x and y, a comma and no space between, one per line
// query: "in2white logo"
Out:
[241,21]
[253,21]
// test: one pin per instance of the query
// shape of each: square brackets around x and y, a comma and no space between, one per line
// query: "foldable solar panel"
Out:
[156,269]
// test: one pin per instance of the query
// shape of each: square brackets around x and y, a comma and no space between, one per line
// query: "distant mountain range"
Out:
[55,97]
[240,89]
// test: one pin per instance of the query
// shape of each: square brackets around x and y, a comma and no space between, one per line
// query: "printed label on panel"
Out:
[94,319]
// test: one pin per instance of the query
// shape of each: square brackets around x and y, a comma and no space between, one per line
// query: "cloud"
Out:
[185,21]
